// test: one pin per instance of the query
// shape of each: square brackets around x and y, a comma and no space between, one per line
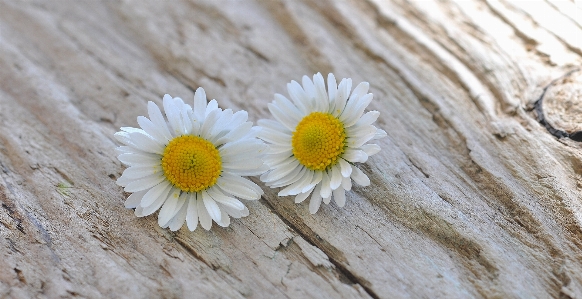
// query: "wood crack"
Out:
[194,253]
[315,240]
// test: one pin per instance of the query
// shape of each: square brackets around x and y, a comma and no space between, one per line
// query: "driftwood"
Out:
[477,191]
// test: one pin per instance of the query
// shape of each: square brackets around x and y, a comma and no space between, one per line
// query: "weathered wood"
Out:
[471,196]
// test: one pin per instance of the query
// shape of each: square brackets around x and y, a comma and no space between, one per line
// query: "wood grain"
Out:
[471,196]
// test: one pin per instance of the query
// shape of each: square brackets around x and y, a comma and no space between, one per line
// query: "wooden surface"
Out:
[471,195]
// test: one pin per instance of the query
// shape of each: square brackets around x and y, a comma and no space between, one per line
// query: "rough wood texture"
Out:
[471,196]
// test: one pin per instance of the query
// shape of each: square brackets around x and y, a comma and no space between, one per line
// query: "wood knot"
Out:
[559,108]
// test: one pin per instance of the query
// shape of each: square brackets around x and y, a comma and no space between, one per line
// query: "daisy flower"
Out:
[318,138]
[191,164]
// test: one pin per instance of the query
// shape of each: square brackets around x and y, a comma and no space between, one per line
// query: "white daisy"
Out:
[191,164]
[318,139]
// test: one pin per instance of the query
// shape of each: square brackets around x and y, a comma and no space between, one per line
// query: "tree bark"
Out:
[477,191]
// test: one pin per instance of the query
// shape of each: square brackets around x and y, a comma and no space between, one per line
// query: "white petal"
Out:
[235,134]
[250,147]
[288,179]
[359,132]
[130,130]
[144,159]
[302,196]
[274,137]
[168,210]
[172,110]
[309,88]
[322,101]
[140,161]
[336,177]
[245,144]
[139,212]
[281,117]
[144,183]
[317,177]
[325,188]
[211,206]
[200,104]
[222,126]
[281,171]
[186,120]
[285,105]
[369,118]
[353,155]
[149,127]
[205,220]
[306,183]
[297,186]
[134,199]
[291,160]
[346,168]
[233,163]
[195,127]
[159,201]
[239,118]
[219,197]
[380,134]
[234,213]
[146,143]
[123,181]
[192,212]
[235,179]
[276,160]
[241,188]
[361,89]
[270,132]
[245,212]
[124,149]
[341,97]
[178,220]
[182,200]
[326,200]
[274,125]
[158,120]
[212,105]
[359,177]
[237,190]
[209,123]
[355,110]
[315,201]
[244,147]
[347,183]
[123,137]
[253,133]
[339,196]
[138,172]
[250,172]
[297,94]
[350,108]
[331,88]
[224,219]
[154,193]
[371,149]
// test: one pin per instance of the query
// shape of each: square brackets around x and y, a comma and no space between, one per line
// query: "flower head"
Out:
[191,164]
[318,138]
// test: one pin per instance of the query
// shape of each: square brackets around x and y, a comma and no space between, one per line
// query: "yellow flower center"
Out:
[191,163]
[318,140]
